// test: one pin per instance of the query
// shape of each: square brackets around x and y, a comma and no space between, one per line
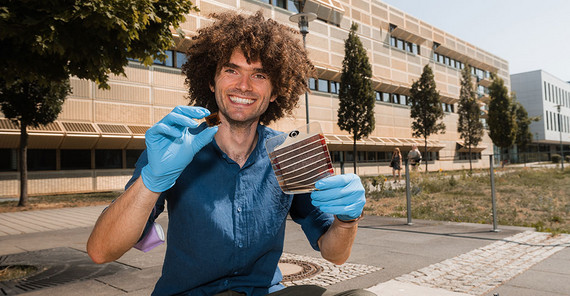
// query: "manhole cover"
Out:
[293,269]
[54,267]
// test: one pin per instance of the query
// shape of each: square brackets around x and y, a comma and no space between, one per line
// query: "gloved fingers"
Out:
[336,210]
[191,111]
[334,181]
[204,137]
[163,130]
[182,120]
[328,195]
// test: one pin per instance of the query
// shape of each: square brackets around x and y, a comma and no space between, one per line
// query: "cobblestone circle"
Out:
[484,269]
[330,274]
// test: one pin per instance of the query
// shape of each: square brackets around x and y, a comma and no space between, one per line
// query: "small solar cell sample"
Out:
[300,165]
[213,119]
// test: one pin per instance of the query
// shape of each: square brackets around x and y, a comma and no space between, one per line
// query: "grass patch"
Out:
[60,201]
[538,198]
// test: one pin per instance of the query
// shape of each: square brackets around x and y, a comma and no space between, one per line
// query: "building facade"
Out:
[548,98]
[97,138]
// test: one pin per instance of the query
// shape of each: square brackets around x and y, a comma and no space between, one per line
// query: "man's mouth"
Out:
[241,100]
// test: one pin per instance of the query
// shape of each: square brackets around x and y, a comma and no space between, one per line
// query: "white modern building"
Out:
[547,97]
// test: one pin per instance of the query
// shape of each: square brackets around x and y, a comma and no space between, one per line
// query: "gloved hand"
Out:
[171,145]
[341,195]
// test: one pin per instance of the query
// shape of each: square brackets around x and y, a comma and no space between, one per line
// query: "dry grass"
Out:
[537,198]
[60,201]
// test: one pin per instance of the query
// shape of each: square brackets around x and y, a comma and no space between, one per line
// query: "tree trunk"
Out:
[23,166]
[426,153]
[355,155]
[470,159]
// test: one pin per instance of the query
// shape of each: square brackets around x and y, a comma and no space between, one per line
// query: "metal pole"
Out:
[493,198]
[560,129]
[306,93]
[408,195]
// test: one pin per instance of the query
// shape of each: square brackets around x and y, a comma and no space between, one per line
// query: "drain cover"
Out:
[54,267]
[294,269]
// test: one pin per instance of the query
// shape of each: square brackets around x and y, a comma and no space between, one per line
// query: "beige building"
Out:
[100,133]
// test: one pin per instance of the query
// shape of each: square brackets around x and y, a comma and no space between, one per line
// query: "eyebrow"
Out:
[232,65]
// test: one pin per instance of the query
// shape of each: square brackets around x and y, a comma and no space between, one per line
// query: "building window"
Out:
[41,159]
[180,58]
[132,157]
[108,159]
[312,84]
[8,160]
[281,3]
[293,6]
[76,159]
[334,87]
[323,85]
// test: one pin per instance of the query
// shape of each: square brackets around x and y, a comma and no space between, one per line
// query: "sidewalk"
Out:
[389,258]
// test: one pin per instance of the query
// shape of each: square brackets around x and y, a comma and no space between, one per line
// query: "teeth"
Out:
[241,100]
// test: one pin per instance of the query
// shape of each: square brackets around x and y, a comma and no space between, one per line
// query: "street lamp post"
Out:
[560,130]
[303,19]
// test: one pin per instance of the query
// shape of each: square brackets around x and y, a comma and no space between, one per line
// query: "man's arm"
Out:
[342,196]
[120,226]
[171,145]
[336,243]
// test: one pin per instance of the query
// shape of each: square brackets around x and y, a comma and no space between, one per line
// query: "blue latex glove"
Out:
[341,195]
[171,145]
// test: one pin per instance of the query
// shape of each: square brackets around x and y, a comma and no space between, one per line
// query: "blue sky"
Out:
[529,34]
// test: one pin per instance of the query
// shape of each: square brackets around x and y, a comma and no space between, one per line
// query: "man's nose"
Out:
[244,83]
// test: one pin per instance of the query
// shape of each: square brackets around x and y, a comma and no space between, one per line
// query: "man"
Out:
[414,157]
[227,214]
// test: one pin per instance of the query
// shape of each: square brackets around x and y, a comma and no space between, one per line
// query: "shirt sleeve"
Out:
[313,221]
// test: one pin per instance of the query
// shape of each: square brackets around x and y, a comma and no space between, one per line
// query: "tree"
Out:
[469,127]
[356,95]
[502,122]
[43,41]
[523,134]
[426,108]
[31,104]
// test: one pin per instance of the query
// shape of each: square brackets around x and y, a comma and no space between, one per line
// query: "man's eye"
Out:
[260,76]
[230,71]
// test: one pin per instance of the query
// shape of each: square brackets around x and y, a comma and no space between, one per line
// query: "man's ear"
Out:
[212,87]
[273,98]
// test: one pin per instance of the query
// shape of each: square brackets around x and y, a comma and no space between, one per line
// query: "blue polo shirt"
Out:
[226,224]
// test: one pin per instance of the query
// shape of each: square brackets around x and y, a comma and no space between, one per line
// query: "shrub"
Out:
[567,158]
[555,158]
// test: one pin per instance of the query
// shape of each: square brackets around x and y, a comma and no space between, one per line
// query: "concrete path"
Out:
[388,258]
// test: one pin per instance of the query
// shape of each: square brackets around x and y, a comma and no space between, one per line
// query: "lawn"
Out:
[538,198]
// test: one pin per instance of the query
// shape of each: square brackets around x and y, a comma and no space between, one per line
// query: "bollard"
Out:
[493,198]
[408,195]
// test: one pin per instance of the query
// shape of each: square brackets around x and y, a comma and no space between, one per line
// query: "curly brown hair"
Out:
[283,58]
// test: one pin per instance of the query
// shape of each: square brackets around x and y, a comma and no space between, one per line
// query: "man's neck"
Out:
[237,141]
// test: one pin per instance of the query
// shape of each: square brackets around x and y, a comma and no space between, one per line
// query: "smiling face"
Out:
[243,91]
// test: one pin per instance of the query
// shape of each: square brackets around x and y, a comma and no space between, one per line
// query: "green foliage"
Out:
[51,40]
[555,158]
[523,134]
[502,122]
[426,107]
[33,103]
[469,126]
[356,95]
